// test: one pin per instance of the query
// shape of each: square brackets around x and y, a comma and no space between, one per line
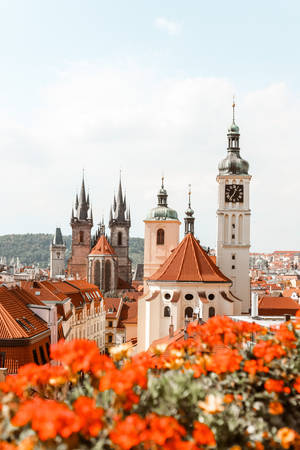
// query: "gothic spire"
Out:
[83,205]
[58,239]
[121,205]
[76,202]
[189,218]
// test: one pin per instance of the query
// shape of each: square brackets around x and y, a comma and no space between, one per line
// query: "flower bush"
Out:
[229,385]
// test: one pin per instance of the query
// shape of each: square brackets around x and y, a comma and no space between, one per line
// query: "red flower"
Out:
[48,418]
[268,350]
[78,354]
[297,383]
[226,361]
[128,433]
[89,415]
[255,365]
[274,385]
[203,435]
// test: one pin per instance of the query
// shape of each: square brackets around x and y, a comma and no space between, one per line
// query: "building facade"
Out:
[233,216]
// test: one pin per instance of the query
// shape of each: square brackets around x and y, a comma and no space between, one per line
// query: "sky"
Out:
[146,87]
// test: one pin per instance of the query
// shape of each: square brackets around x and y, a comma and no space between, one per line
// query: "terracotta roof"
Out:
[278,303]
[16,319]
[43,291]
[102,247]
[189,262]
[128,313]
[111,306]
[122,284]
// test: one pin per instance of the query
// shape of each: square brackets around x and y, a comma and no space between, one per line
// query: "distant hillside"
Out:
[34,248]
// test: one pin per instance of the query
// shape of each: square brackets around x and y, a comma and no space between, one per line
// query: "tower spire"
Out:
[233,109]
[162,195]
[189,218]
[83,204]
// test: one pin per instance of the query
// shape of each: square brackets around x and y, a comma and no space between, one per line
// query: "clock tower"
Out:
[233,235]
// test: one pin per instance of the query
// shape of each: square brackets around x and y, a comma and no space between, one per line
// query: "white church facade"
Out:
[182,281]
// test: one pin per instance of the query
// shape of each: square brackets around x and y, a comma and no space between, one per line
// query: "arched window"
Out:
[167,311]
[107,276]
[81,236]
[97,273]
[120,238]
[211,312]
[188,312]
[160,237]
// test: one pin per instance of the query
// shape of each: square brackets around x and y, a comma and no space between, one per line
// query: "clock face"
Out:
[234,193]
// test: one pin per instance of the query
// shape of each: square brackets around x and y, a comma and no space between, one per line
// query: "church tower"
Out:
[161,233]
[233,235]
[57,255]
[119,224]
[81,223]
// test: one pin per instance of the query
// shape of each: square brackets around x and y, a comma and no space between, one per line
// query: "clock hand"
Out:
[233,194]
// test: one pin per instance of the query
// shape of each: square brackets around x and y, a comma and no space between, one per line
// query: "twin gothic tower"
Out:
[103,261]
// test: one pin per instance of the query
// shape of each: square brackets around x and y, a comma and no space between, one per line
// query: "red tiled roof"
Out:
[123,284]
[128,313]
[102,247]
[278,303]
[16,319]
[111,304]
[189,262]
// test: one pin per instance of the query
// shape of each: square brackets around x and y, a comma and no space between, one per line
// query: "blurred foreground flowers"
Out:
[212,390]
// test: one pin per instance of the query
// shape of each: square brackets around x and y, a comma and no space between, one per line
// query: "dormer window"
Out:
[160,237]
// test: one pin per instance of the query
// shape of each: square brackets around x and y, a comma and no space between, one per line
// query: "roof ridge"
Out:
[183,256]
[194,242]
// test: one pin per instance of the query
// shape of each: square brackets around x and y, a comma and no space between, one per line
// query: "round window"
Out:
[167,296]
[211,297]
[189,297]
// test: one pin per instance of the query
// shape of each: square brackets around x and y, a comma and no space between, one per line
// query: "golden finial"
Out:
[233,108]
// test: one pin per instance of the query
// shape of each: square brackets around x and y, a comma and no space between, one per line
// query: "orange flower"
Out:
[78,354]
[203,435]
[6,446]
[268,350]
[226,361]
[163,429]
[274,385]
[275,408]
[89,415]
[228,398]
[48,418]
[286,436]
[255,365]
[127,433]
[297,384]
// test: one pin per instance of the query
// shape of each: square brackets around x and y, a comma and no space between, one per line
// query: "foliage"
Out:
[212,390]
[34,248]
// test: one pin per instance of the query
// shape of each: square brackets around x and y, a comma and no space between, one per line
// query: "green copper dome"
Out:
[233,164]
[233,128]
[162,213]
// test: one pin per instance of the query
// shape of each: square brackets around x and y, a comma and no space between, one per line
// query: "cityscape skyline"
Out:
[71,100]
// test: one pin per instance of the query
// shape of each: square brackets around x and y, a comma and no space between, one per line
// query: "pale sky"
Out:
[146,87]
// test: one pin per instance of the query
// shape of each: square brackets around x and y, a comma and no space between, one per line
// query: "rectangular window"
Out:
[110,324]
[233,257]
[42,355]
[110,338]
[2,359]
[233,225]
[233,267]
[35,357]
[233,236]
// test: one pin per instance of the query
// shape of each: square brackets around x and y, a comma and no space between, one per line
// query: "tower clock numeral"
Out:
[234,193]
